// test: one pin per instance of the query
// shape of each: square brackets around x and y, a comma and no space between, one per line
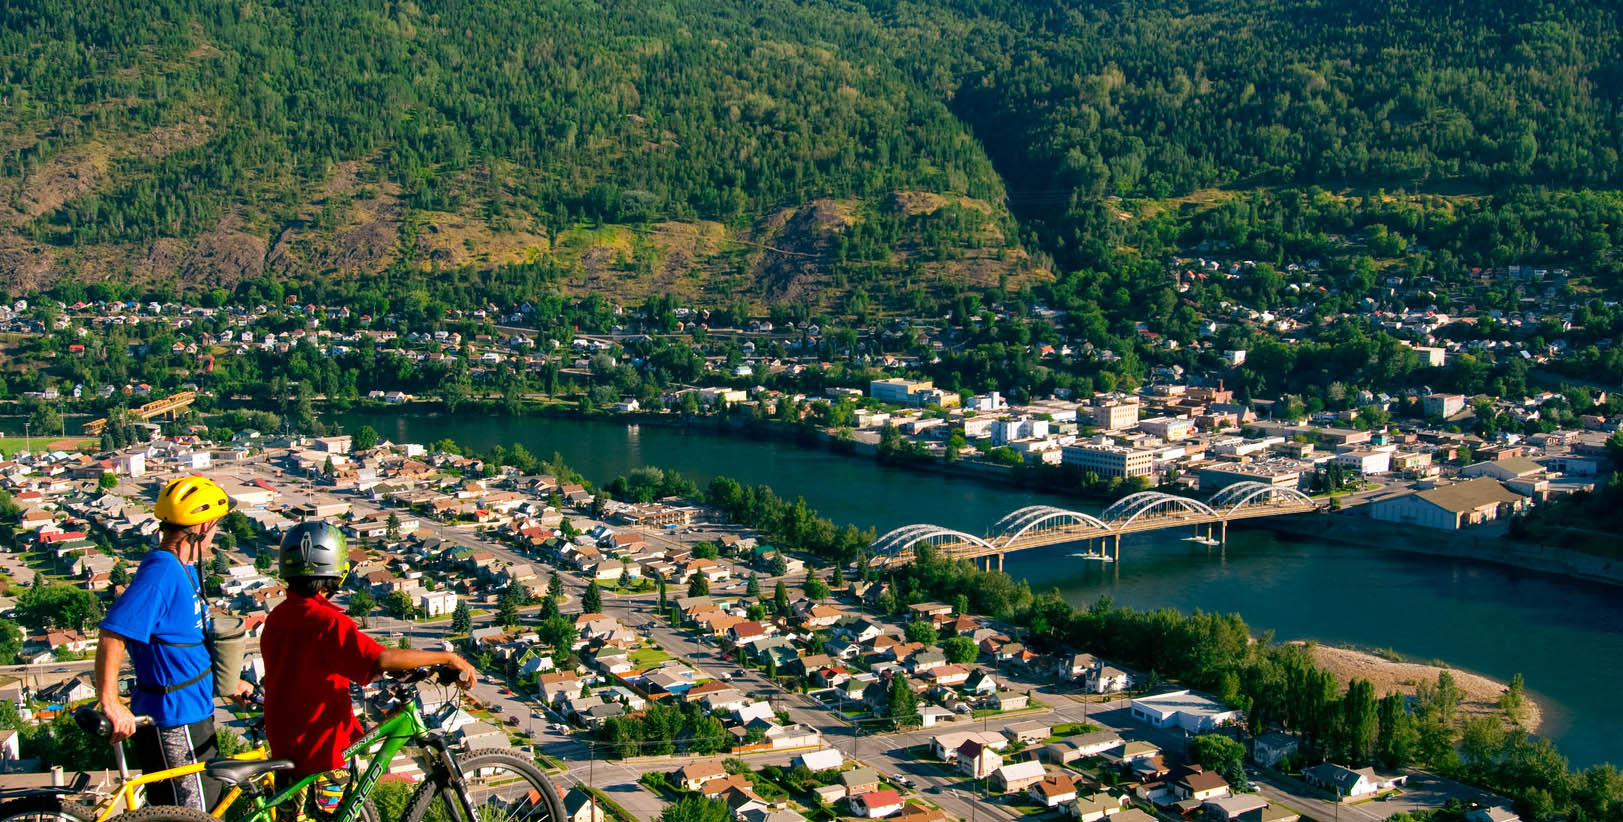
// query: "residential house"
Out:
[1347,783]
[1052,790]
[860,781]
[1027,732]
[945,746]
[1081,746]
[876,804]
[1270,748]
[977,761]
[1095,807]
[1007,701]
[580,806]
[1017,776]
[1234,807]
[694,775]
[1198,784]
[827,759]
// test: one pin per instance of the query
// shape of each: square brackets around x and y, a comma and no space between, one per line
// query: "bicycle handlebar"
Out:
[441,674]
[96,723]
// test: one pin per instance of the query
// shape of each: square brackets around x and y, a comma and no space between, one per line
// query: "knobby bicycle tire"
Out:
[45,808]
[175,813]
[550,808]
[165,813]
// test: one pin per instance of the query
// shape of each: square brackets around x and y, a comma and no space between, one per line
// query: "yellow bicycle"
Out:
[50,805]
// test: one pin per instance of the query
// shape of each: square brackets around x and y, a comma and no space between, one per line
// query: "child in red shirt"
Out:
[313,653]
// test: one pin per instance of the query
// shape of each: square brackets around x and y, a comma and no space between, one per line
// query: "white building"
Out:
[1184,709]
[1113,415]
[1170,429]
[1110,460]
[1366,461]
[1442,405]
[437,603]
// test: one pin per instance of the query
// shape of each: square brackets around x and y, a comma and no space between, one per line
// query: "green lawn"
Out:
[9,446]
[648,657]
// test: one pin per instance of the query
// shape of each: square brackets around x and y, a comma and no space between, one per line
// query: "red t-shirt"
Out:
[313,651]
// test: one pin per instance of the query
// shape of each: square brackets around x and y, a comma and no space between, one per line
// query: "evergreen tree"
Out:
[1397,738]
[591,602]
[902,707]
[462,618]
[555,585]
[120,575]
[507,606]
[836,580]
[753,588]
[1359,723]
[698,586]
[662,603]
[780,599]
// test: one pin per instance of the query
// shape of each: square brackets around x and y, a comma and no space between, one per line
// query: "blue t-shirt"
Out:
[162,604]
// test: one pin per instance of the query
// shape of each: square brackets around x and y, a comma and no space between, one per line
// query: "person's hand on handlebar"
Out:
[406,659]
[244,694]
[467,671]
[123,721]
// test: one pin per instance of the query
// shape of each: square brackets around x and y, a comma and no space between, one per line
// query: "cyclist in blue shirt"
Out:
[160,618]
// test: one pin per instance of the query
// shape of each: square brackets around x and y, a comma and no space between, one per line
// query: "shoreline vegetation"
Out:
[1480,694]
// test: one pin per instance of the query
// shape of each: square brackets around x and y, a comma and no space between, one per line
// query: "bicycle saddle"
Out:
[234,772]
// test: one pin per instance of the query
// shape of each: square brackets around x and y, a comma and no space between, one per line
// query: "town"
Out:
[650,653]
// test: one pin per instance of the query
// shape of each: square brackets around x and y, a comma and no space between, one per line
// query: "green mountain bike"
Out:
[489,785]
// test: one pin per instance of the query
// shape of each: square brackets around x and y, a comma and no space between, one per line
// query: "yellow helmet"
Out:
[191,501]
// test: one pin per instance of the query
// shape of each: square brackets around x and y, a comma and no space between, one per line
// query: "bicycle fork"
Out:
[448,774]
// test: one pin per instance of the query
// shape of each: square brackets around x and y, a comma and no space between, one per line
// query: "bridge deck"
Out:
[1078,533]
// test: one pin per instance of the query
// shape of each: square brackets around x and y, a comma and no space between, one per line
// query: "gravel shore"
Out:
[1481,693]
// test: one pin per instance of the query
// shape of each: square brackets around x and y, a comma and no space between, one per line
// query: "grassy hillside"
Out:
[231,140]
[786,150]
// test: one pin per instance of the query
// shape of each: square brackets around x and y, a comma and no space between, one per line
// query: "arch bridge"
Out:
[1041,525]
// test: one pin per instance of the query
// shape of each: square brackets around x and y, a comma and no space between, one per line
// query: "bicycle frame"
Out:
[125,795]
[396,731]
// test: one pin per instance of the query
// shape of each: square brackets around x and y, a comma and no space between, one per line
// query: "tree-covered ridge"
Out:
[528,117]
[1148,97]
[1150,100]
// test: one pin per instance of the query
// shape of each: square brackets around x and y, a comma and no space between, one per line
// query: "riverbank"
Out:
[1481,693]
[1476,544]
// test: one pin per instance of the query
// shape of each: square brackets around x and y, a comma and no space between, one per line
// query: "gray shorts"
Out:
[159,749]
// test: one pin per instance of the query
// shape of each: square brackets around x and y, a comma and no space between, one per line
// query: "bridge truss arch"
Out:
[896,544]
[1125,511]
[1018,524]
[1240,495]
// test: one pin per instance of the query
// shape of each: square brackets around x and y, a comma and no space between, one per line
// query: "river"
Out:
[1565,636]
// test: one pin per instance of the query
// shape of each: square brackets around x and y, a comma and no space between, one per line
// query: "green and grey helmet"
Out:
[314,549]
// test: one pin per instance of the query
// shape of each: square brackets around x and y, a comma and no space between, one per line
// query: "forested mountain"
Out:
[796,149]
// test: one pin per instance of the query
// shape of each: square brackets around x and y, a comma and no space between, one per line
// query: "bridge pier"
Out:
[1225,532]
[1116,552]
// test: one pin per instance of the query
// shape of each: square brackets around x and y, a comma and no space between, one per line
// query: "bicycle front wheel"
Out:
[502,787]
[45,809]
